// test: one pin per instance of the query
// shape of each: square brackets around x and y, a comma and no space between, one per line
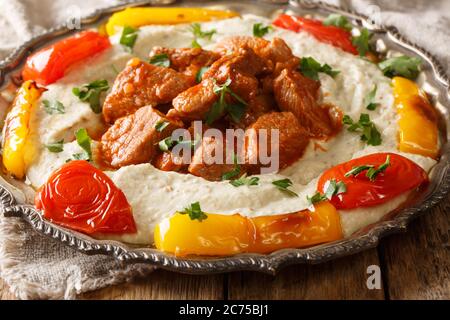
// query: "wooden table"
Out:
[415,265]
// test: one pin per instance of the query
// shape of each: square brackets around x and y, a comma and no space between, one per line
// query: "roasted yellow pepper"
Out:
[137,17]
[16,153]
[221,235]
[418,131]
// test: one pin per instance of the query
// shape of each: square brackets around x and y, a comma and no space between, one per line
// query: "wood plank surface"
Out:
[164,285]
[343,278]
[417,264]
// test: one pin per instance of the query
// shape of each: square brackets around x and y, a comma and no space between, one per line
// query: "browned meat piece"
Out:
[188,60]
[240,68]
[141,84]
[239,61]
[299,95]
[211,160]
[133,139]
[167,161]
[291,144]
[195,102]
[258,106]
[276,54]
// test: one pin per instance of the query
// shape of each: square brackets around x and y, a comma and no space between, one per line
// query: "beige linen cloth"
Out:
[36,267]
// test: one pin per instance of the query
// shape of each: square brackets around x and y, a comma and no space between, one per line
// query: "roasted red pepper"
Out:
[400,175]
[50,63]
[332,35]
[81,197]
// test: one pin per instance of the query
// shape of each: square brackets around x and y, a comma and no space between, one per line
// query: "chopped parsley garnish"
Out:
[195,212]
[371,173]
[338,21]
[196,29]
[84,141]
[283,185]
[368,130]
[233,173]
[168,143]
[316,198]
[128,37]
[259,30]
[200,74]
[334,188]
[245,181]
[361,42]
[161,125]
[55,147]
[235,110]
[369,100]
[91,93]
[53,106]
[402,66]
[195,44]
[311,68]
[160,60]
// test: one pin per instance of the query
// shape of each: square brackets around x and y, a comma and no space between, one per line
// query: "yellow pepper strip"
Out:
[297,230]
[137,17]
[15,151]
[222,235]
[418,131]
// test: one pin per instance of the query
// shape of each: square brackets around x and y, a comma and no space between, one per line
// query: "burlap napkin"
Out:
[37,267]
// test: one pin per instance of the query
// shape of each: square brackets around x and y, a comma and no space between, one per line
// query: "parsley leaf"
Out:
[218,109]
[128,37]
[54,106]
[80,156]
[260,31]
[168,143]
[84,141]
[55,147]
[368,101]
[161,125]
[200,73]
[245,181]
[195,44]
[338,21]
[333,189]
[402,66]
[91,93]
[316,198]
[311,68]
[368,130]
[371,173]
[357,170]
[233,173]
[160,60]
[195,212]
[283,185]
[196,29]
[361,42]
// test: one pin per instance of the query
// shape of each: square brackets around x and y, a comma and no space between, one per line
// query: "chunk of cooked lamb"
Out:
[276,53]
[188,60]
[134,139]
[259,137]
[213,159]
[240,67]
[141,84]
[300,95]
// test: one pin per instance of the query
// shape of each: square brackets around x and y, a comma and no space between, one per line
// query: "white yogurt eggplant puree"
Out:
[155,195]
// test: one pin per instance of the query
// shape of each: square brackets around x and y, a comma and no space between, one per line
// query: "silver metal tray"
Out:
[433,79]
